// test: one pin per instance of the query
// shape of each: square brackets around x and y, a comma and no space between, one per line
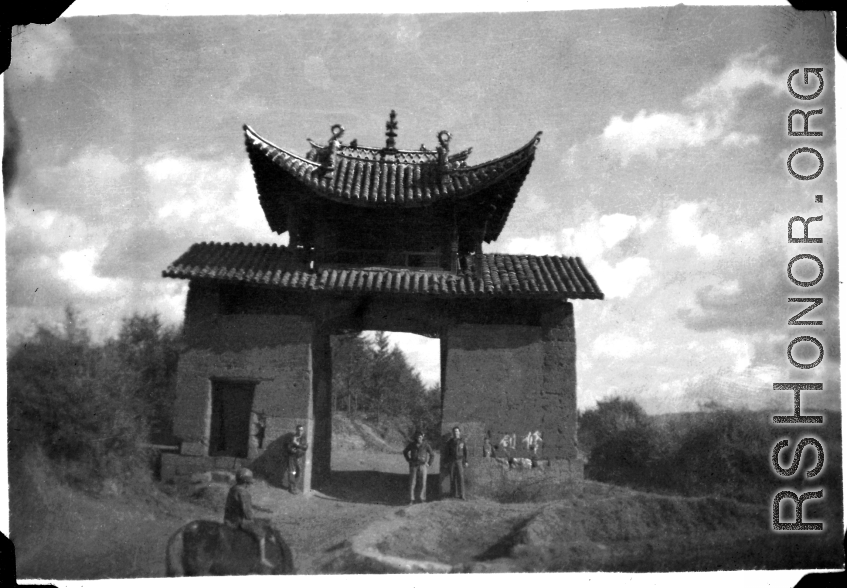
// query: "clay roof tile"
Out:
[523,276]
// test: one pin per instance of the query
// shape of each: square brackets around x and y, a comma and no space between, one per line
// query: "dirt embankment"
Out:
[121,531]
[601,527]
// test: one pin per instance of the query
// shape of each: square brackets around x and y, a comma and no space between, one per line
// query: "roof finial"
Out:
[390,128]
[443,150]
[332,147]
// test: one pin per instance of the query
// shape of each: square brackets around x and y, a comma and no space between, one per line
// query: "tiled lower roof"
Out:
[513,276]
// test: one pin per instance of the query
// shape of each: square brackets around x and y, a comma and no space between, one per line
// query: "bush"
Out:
[82,403]
[719,452]
[619,440]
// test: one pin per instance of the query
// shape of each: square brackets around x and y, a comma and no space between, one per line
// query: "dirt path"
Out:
[68,534]
[365,487]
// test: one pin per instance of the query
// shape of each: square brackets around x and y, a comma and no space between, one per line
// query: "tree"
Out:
[74,399]
[374,378]
[151,351]
[350,366]
[619,440]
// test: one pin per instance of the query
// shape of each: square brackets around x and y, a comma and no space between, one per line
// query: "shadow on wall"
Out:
[270,466]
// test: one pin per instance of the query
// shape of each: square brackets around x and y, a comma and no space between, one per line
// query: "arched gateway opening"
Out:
[388,240]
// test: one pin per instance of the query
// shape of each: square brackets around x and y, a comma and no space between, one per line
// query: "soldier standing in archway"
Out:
[456,460]
[295,448]
[419,455]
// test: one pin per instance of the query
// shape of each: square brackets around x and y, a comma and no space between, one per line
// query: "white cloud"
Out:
[541,245]
[744,73]
[244,209]
[621,279]
[166,168]
[422,353]
[592,240]
[139,216]
[685,231]
[646,134]
[77,268]
[619,346]
[740,353]
[710,114]
[214,200]
[20,217]
[739,139]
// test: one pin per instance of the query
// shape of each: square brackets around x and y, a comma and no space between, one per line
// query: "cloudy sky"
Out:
[662,165]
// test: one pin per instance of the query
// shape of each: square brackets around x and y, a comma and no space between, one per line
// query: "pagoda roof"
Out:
[387,177]
[502,276]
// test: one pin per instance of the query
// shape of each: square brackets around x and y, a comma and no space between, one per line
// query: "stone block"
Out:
[226,463]
[188,464]
[201,478]
[222,477]
[194,448]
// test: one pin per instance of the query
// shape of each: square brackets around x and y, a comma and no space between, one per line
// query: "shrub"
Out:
[619,440]
[719,452]
[79,401]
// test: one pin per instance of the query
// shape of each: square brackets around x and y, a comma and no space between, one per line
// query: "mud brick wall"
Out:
[508,382]
[274,351]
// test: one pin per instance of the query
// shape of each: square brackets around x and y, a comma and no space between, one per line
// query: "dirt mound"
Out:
[62,532]
[354,433]
[606,528]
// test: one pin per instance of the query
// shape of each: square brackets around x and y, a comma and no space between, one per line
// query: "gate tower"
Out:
[379,239]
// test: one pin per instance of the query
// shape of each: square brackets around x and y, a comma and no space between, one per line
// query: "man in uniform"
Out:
[238,512]
[419,456]
[295,448]
[455,458]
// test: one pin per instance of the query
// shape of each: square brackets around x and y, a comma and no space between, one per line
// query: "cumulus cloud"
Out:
[706,116]
[139,216]
[749,278]
[621,279]
[619,345]
[647,134]
[684,230]
[740,140]
[424,353]
[597,241]
[739,351]
[597,235]
[77,268]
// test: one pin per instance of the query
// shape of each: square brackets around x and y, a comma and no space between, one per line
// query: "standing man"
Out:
[238,511]
[295,448]
[419,456]
[456,460]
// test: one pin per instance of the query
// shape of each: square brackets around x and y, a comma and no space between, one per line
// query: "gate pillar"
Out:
[513,388]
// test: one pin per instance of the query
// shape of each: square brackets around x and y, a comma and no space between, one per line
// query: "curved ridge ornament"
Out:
[390,131]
